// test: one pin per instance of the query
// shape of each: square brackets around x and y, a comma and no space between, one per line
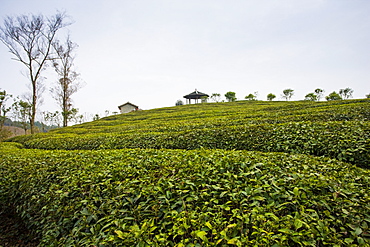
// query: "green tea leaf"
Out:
[202,235]
[298,224]
[119,234]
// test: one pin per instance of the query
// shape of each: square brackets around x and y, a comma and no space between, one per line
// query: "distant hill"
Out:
[15,131]
[15,128]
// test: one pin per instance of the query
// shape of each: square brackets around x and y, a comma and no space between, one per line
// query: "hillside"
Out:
[338,129]
[15,131]
[246,173]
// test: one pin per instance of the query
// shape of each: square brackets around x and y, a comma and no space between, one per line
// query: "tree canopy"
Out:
[333,96]
[271,96]
[230,96]
[287,94]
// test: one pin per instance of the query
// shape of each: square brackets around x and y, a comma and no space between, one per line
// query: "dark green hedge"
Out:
[345,141]
[148,197]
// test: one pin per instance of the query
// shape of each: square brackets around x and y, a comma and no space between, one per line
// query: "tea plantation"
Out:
[221,174]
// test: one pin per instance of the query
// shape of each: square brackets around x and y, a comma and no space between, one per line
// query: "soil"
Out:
[13,233]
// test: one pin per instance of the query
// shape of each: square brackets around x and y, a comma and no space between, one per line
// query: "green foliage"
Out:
[179,102]
[23,111]
[333,96]
[204,99]
[287,93]
[182,176]
[251,96]
[345,141]
[230,96]
[4,96]
[311,97]
[323,129]
[346,93]
[271,96]
[144,197]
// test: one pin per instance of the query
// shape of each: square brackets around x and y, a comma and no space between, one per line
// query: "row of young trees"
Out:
[21,112]
[32,40]
[287,94]
[317,95]
[17,112]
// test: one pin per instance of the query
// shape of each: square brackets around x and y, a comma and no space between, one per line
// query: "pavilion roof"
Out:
[195,95]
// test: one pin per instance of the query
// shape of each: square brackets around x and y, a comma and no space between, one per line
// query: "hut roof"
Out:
[128,103]
[195,95]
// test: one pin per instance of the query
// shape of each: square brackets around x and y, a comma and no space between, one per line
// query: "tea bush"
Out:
[190,117]
[346,141]
[147,197]
[182,176]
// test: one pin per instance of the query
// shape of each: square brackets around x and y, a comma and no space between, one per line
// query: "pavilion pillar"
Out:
[196,95]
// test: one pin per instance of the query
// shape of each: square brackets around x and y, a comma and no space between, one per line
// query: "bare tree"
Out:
[216,97]
[29,39]
[319,93]
[52,118]
[68,82]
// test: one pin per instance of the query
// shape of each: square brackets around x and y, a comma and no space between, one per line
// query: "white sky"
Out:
[152,53]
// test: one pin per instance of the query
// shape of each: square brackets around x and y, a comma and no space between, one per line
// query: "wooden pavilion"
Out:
[196,95]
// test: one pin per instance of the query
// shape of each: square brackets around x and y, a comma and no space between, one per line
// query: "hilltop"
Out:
[219,174]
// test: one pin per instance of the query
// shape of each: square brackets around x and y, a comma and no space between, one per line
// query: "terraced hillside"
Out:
[244,174]
[338,129]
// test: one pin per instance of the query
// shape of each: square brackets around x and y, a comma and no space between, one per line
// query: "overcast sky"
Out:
[153,52]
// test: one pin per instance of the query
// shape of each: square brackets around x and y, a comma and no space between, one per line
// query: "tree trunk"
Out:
[33,107]
[65,106]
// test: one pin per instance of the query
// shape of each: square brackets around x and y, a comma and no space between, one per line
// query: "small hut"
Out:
[196,95]
[128,107]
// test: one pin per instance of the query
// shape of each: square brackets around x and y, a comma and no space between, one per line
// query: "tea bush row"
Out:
[345,141]
[225,114]
[146,197]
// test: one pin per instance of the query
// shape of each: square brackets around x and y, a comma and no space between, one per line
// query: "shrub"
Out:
[177,197]
[346,141]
